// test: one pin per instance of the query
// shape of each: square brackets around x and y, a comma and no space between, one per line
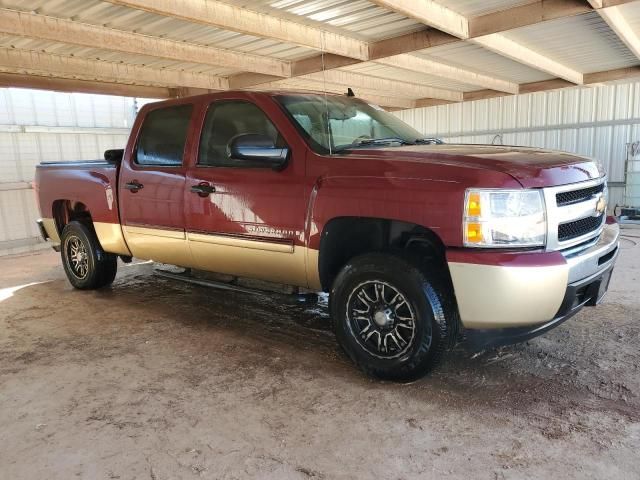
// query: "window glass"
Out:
[163,135]
[339,123]
[224,121]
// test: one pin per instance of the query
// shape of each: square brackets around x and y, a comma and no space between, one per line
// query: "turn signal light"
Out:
[474,233]
[473,205]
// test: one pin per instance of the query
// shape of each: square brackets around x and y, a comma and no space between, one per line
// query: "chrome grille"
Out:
[571,214]
[578,228]
[577,196]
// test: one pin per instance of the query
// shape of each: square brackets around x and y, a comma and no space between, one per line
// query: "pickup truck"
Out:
[419,244]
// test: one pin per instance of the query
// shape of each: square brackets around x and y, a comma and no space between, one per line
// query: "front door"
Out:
[245,220]
[152,187]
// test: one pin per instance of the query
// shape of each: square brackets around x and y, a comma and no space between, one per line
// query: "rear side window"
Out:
[163,135]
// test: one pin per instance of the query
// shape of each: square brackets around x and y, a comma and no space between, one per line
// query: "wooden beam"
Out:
[22,61]
[430,13]
[356,80]
[545,85]
[618,23]
[609,3]
[506,47]
[532,87]
[92,36]
[237,19]
[320,62]
[373,96]
[430,102]
[482,95]
[448,72]
[612,75]
[313,64]
[522,15]
[410,42]
[82,86]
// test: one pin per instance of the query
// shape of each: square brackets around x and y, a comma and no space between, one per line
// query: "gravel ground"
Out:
[157,379]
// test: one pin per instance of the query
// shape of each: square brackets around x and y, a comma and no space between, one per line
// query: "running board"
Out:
[186,277]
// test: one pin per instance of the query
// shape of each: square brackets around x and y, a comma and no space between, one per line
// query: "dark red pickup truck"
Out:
[420,244]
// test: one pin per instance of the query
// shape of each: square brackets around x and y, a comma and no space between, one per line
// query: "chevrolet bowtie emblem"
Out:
[601,206]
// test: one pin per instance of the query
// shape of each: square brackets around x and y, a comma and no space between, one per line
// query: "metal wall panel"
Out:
[40,126]
[597,121]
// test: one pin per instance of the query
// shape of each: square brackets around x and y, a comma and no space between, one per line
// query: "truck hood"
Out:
[531,167]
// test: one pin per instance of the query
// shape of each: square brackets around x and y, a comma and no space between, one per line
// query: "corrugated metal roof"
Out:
[8,41]
[362,19]
[96,12]
[582,42]
[477,58]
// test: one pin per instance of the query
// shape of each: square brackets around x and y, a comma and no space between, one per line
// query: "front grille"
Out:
[577,196]
[578,228]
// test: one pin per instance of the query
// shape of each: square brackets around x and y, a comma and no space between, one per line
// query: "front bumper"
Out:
[509,297]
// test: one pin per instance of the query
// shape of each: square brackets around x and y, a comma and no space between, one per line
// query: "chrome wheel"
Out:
[381,319]
[77,257]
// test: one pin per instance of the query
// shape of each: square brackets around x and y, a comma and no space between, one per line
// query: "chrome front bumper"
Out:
[596,258]
[530,290]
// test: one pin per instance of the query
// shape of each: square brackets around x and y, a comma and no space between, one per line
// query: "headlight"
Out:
[504,218]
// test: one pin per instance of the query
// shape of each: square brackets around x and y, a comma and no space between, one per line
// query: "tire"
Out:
[87,266]
[424,297]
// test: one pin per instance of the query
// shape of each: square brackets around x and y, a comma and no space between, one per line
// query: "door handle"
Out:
[133,186]
[203,189]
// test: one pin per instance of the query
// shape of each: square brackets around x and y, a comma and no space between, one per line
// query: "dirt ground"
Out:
[157,379]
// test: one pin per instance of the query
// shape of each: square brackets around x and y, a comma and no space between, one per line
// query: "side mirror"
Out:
[257,150]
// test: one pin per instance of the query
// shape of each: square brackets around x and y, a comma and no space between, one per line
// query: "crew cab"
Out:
[420,244]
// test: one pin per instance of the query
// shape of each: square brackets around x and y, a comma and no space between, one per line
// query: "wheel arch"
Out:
[346,237]
[65,211]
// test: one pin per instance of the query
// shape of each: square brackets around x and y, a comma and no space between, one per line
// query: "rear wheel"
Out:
[87,266]
[392,317]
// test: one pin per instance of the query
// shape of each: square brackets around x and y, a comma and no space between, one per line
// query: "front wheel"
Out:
[391,317]
[87,266]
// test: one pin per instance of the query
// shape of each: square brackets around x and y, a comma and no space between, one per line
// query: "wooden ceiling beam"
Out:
[92,36]
[22,61]
[448,72]
[506,47]
[553,84]
[377,97]
[357,80]
[618,23]
[411,42]
[523,15]
[430,13]
[82,86]
[242,20]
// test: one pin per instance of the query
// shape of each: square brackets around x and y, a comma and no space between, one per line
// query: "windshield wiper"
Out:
[381,141]
[428,141]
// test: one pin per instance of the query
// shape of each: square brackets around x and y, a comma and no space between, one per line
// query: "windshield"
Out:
[334,123]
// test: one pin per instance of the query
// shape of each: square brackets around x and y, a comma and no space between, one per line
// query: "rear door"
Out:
[252,221]
[152,186]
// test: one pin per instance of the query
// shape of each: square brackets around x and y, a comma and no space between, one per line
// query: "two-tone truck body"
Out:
[417,242]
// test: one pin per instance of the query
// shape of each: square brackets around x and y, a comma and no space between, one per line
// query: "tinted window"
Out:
[163,136]
[224,121]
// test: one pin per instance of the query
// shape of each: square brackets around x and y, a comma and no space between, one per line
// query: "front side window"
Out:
[225,121]
[163,136]
[335,123]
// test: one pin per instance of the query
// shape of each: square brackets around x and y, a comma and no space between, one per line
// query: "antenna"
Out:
[350,92]
[324,86]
